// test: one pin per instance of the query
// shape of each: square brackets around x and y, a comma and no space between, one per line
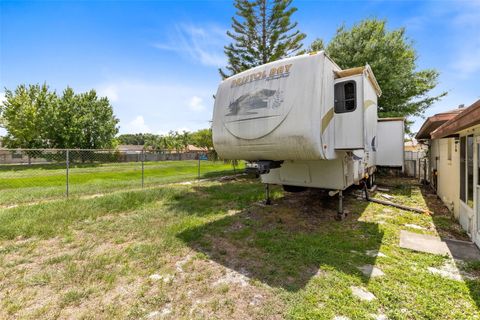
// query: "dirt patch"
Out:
[444,222]
[216,291]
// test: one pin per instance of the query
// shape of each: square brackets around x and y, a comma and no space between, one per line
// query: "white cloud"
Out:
[111,92]
[137,125]
[148,106]
[196,104]
[203,44]
[467,53]
[462,36]
[467,61]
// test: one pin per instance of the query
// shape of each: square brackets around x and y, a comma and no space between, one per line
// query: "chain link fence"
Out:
[36,174]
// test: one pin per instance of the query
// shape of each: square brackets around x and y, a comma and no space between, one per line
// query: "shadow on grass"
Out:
[288,243]
[397,186]
[448,228]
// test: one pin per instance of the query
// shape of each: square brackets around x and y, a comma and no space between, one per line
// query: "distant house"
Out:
[18,156]
[413,146]
[8,157]
[453,139]
[130,148]
[195,149]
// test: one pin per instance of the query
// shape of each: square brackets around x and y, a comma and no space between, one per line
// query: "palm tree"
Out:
[185,138]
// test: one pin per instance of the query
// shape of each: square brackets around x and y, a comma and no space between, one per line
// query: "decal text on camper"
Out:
[273,73]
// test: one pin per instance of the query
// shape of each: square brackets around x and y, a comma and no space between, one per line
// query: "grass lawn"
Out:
[20,184]
[211,250]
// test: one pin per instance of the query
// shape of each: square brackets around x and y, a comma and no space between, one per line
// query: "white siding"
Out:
[390,143]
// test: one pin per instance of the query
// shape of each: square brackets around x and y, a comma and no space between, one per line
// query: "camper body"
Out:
[304,120]
[391,139]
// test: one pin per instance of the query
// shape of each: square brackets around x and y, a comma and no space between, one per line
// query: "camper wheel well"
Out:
[289,188]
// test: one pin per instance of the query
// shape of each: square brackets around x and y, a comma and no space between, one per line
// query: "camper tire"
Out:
[289,188]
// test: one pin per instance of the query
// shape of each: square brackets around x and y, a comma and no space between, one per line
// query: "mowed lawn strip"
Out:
[39,182]
[212,251]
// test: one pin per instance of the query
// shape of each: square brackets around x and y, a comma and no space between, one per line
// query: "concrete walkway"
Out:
[425,243]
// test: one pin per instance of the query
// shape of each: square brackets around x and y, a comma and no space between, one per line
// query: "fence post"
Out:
[198,166]
[143,167]
[68,169]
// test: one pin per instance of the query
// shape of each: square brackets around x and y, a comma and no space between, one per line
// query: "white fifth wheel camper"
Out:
[303,120]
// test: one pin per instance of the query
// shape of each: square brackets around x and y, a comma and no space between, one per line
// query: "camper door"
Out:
[348,110]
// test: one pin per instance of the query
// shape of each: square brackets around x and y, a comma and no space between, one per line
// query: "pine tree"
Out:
[263,32]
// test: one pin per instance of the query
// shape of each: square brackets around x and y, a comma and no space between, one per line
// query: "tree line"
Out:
[36,117]
[174,140]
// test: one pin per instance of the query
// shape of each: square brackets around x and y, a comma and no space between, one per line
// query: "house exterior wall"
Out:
[469,217]
[448,172]
[448,179]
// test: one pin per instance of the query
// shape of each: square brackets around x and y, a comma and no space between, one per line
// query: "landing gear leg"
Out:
[267,195]
[365,189]
[340,214]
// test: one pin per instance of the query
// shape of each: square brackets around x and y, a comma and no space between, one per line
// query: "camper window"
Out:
[345,96]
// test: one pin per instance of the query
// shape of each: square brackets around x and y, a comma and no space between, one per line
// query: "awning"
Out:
[359,70]
[469,117]
[434,122]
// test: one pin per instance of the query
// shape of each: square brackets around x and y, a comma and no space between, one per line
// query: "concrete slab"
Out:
[425,243]
[362,293]
[451,271]
[375,253]
[463,250]
[371,271]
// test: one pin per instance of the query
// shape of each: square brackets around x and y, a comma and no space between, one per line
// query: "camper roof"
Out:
[322,52]
[367,70]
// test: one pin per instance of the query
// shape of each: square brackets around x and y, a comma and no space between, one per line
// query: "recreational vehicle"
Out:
[303,120]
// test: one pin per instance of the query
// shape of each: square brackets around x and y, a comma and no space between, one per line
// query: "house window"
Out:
[470,171]
[345,96]
[462,168]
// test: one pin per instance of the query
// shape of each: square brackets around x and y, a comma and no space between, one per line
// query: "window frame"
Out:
[470,170]
[463,169]
[343,108]
[467,164]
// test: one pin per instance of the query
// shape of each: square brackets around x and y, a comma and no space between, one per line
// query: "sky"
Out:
[157,61]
